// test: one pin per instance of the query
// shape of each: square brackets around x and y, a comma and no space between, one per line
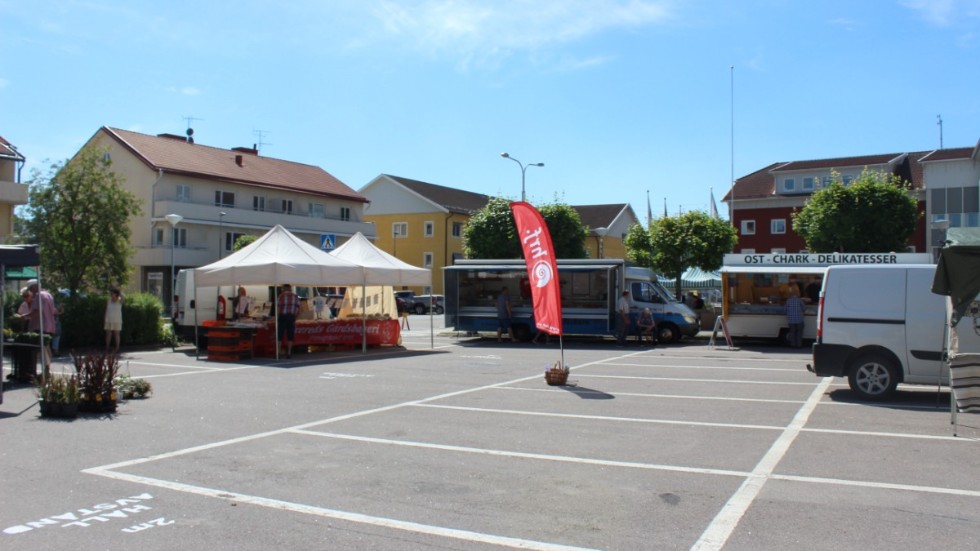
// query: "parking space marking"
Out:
[687,380]
[278,504]
[724,523]
[527,455]
[602,417]
[729,367]
[648,395]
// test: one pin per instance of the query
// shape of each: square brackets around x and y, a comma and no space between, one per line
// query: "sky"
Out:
[646,102]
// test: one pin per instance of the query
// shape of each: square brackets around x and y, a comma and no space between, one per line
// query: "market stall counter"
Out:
[343,333]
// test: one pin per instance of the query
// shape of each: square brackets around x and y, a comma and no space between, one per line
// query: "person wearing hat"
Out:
[42,318]
[623,309]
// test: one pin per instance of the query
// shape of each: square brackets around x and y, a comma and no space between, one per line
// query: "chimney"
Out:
[239,161]
[249,150]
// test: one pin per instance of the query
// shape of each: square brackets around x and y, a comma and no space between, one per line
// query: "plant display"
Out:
[556,375]
[58,395]
[96,372]
[129,388]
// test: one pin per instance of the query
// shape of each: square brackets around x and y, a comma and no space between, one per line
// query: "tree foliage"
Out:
[79,215]
[244,241]
[874,213]
[492,233]
[674,244]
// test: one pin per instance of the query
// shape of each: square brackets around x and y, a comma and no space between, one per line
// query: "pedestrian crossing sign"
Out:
[328,241]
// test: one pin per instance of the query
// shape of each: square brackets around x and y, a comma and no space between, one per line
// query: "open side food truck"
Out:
[590,290]
[757,285]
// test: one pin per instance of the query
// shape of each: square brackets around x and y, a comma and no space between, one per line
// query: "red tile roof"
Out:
[172,153]
[7,150]
[948,154]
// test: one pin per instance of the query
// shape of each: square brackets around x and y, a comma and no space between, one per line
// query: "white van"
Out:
[880,325]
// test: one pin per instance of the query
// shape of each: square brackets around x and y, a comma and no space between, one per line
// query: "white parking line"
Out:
[727,367]
[687,380]
[724,523]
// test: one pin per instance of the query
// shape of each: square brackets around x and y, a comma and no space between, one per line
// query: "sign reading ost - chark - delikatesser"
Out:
[824,259]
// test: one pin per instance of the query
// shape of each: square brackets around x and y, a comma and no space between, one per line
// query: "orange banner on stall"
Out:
[542,267]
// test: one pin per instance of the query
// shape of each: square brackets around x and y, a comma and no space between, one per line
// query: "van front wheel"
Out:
[873,377]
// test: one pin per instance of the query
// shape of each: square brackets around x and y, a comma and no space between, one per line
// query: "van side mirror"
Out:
[192,304]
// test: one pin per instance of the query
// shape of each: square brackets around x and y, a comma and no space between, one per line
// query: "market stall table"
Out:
[345,333]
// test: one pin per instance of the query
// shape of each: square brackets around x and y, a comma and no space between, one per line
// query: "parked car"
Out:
[423,302]
[408,297]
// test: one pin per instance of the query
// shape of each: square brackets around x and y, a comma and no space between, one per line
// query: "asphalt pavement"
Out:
[456,442]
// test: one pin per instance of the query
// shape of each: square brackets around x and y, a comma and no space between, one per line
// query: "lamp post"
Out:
[221,240]
[174,219]
[599,233]
[523,170]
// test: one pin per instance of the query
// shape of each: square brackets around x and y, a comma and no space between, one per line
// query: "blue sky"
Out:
[616,97]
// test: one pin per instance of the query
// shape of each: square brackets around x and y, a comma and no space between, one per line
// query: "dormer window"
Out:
[789,185]
[808,184]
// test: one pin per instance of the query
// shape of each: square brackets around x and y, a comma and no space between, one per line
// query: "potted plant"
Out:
[127,387]
[96,373]
[58,395]
[556,375]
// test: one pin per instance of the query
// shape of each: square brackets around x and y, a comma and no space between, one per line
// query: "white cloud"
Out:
[844,23]
[473,31]
[944,13]
[185,91]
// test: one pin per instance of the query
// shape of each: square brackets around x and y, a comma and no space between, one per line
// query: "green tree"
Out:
[79,215]
[492,233]
[672,245]
[874,213]
[244,241]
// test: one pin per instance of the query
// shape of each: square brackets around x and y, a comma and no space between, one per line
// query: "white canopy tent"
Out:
[276,258]
[380,268]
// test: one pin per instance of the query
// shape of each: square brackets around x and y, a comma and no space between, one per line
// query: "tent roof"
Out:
[694,277]
[279,257]
[380,267]
[19,255]
[958,269]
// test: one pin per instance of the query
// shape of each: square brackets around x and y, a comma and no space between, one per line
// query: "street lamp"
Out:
[221,241]
[174,219]
[523,170]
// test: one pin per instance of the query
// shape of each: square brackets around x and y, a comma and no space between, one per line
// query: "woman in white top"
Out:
[113,318]
[242,304]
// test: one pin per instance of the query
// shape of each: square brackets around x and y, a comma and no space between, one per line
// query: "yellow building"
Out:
[607,226]
[12,192]
[420,223]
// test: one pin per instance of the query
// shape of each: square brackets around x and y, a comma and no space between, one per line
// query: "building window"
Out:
[789,185]
[179,237]
[777,226]
[258,203]
[457,229]
[183,193]
[317,210]
[847,179]
[399,229]
[158,237]
[430,229]
[748,227]
[748,251]
[779,251]
[827,180]
[426,260]
[287,206]
[345,213]
[224,199]
[230,238]
[808,184]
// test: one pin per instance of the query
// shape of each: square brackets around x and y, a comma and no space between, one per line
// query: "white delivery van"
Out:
[880,326]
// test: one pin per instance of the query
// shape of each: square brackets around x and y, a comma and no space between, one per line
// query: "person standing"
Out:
[623,309]
[504,314]
[113,319]
[794,316]
[286,308]
[42,319]
[242,304]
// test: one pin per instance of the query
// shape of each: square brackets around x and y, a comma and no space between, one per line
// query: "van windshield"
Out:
[647,291]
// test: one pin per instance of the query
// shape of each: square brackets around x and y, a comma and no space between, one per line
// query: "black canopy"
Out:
[958,272]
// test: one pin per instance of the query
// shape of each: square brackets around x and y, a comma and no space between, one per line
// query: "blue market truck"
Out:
[590,290]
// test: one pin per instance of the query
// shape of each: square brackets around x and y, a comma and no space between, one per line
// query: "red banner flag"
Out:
[542,268]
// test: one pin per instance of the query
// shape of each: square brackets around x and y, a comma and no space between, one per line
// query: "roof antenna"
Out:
[190,131]
[260,134]
[939,121]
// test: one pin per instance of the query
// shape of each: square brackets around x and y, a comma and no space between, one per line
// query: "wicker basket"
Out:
[556,376]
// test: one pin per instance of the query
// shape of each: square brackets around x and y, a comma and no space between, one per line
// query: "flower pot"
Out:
[52,409]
